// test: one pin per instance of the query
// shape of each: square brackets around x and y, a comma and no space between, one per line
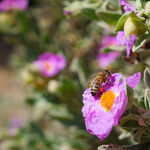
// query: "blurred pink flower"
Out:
[105,59]
[127,6]
[103,111]
[107,41]
[15,124]
[50,64]
[6,5]
[67,12]
[125,41]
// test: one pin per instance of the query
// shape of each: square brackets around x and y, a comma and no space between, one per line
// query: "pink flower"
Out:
[127,6]
[107,41]
[105,59]
[50,64]
[103,111]
[67,12]
[132,81]
[125,41]
[15,124]
[6,5]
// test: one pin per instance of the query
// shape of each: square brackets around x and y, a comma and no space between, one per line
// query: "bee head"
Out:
[108,71]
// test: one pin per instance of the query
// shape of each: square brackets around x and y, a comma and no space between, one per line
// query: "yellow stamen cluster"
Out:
[107,100]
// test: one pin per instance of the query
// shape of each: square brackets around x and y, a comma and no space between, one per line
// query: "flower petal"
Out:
[133,80]
[125,41]
[127,6]
[105,59]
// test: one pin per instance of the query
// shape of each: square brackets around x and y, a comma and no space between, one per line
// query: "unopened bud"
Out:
[133,26]
[27,76]
[52,86]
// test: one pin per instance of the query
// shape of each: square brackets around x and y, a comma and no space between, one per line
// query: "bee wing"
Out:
[88,81]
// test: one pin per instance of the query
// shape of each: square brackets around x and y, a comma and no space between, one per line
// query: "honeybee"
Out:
[99,79]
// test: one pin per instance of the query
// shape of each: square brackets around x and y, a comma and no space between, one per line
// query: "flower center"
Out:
[107,100]
[47,65]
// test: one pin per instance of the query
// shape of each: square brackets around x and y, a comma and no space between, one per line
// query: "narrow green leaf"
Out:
[147,77]
[147,99]
[130,94]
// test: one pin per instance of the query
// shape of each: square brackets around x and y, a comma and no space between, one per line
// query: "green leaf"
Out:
[147,77]
[130,95]
[90,13]
[109,17]
[139,43]
[121,22]
[147,99]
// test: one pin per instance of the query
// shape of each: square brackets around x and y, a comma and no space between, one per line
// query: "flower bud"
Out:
[27,76]
[147,9]
[52,86]
[133,26]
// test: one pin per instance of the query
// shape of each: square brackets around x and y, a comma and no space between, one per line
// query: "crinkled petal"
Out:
[129,44]
[98,121]
[125,41]
[119,106]
[127,6]
[133,80]
[105,59]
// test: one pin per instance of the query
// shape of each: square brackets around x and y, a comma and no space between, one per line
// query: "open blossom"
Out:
[6,5]
[127,6]
[50,64]
[105,59]
[122,40]
[103,111]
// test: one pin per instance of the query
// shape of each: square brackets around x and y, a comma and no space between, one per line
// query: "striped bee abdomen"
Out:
[95,87]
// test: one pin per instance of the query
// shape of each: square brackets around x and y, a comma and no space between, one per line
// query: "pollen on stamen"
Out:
[47,65]
[107,100]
